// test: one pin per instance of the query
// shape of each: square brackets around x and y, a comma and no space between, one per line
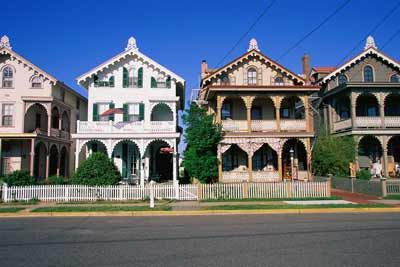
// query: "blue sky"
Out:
[67,38]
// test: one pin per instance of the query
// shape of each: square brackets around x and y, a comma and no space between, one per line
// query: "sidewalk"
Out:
[355,197]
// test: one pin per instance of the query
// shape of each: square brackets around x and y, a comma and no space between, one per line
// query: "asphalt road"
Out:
[251,240]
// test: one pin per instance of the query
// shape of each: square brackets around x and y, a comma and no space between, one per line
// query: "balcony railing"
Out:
[341,125]
[293,125]
[234,125]
[263,125]
[125,127]
[368,122]
[235,176]
[392,121]
[265,176]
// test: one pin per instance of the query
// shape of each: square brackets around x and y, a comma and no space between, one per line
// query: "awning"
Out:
[112,111]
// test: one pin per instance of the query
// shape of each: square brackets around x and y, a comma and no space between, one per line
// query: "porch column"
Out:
[32,157]
[219,157]
[385,159]
[250,166]
[280,165]
[219,107]
[142,166]
[248,117]
[382,113]
[277,114]
[175,156]
[77,154]
[330,117]
[47,164]
[307,114]
[1,159]
[353,109]
[58,162]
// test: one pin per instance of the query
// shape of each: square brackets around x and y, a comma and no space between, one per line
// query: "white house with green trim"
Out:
[132,116]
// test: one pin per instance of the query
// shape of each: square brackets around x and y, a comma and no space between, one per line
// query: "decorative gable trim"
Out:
[349,64]
[260,56]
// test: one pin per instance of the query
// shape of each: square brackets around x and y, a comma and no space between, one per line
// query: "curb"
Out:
[199,212]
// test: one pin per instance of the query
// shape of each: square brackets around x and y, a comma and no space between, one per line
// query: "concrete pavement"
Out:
[241,240]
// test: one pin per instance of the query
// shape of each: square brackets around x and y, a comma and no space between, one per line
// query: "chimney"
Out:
[204,68]
[306,67]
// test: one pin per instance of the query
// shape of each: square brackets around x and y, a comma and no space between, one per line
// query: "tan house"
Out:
[38,114]
[265,115]
[361,99]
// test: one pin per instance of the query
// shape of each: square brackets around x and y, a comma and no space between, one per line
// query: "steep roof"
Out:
[130,50]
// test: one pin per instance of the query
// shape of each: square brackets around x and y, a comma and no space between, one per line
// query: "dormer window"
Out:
[278,81]
[342,79]
[36,82]
[8,76]
[394,78]
[368,74]
[252,76]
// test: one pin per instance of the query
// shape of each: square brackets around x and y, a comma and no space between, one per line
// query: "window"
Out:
[285,113]
[226,110]
[7,77]
[252,76]
[256,113]
[101,109]
[394,78]
[7,117]
[368,74]
[133,112]
[36,82]
[38,119]
[279,81]
[342,79]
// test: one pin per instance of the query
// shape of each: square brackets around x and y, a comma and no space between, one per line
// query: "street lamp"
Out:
[291,152]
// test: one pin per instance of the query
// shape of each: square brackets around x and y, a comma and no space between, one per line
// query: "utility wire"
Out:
[314,29]
[387,15]
[390,39]
[248,31]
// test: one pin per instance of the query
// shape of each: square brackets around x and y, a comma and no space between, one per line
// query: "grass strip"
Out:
[99,208]
[270,199]
[273,207]
[394,197]
[10,210]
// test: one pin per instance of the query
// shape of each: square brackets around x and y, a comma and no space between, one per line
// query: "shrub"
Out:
[55,180]
[363,174]
[98,169]
[19,178]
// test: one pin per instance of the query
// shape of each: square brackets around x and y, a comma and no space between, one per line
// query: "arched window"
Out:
[8,77]
[252,76]
[368,74]
[279,81]
[36,82]
[342,79]
[394,78]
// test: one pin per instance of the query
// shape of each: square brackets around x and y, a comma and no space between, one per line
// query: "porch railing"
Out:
[341,125]
[265,176]
[392,121]
[234,125]
[263,125]
[125,127]
[368,122]
[293,125]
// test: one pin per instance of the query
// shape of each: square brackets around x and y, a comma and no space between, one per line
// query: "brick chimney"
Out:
[204,68]
[306,67]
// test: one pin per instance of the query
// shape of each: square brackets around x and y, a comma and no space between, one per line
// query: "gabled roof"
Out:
[133,51]
[368,51]
[252,53]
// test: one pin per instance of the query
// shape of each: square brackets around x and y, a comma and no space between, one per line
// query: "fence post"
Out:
[176,186]
[329,181]
[289,189]
[199,195]
[5,192]
[66,193]
[384,186]
[245,189]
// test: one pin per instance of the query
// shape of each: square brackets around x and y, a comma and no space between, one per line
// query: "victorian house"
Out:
[38,114]
[265,113]
[133,116]
[361,99]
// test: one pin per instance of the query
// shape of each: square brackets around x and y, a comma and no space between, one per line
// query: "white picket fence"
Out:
[71,193]
[393,187]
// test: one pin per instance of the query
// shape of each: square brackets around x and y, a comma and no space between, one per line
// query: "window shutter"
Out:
[95,112]
[141,111]
[111,81]
[125,78]
[111,116]
[169,82]
[140,77]
[125,107]
[153,82]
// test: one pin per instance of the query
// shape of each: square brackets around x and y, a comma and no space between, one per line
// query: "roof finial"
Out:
[5,42]
[253,45]
[370,43]
[131,43]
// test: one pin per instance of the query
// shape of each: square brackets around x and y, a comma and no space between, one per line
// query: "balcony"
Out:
[125,127]
[263,125]
[266,176]
[341,125]
[234,125]
[293,125]
[392,121]
[368,122]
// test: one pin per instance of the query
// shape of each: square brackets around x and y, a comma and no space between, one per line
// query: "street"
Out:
[236,240]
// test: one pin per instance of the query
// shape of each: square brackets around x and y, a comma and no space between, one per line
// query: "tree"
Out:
[19,178]
[202,136]
[332,155]
[98,169]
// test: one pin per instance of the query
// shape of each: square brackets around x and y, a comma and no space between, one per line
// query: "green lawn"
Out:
[99,208]
[270,199]
[10,209]
[395,197]
[286,206]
